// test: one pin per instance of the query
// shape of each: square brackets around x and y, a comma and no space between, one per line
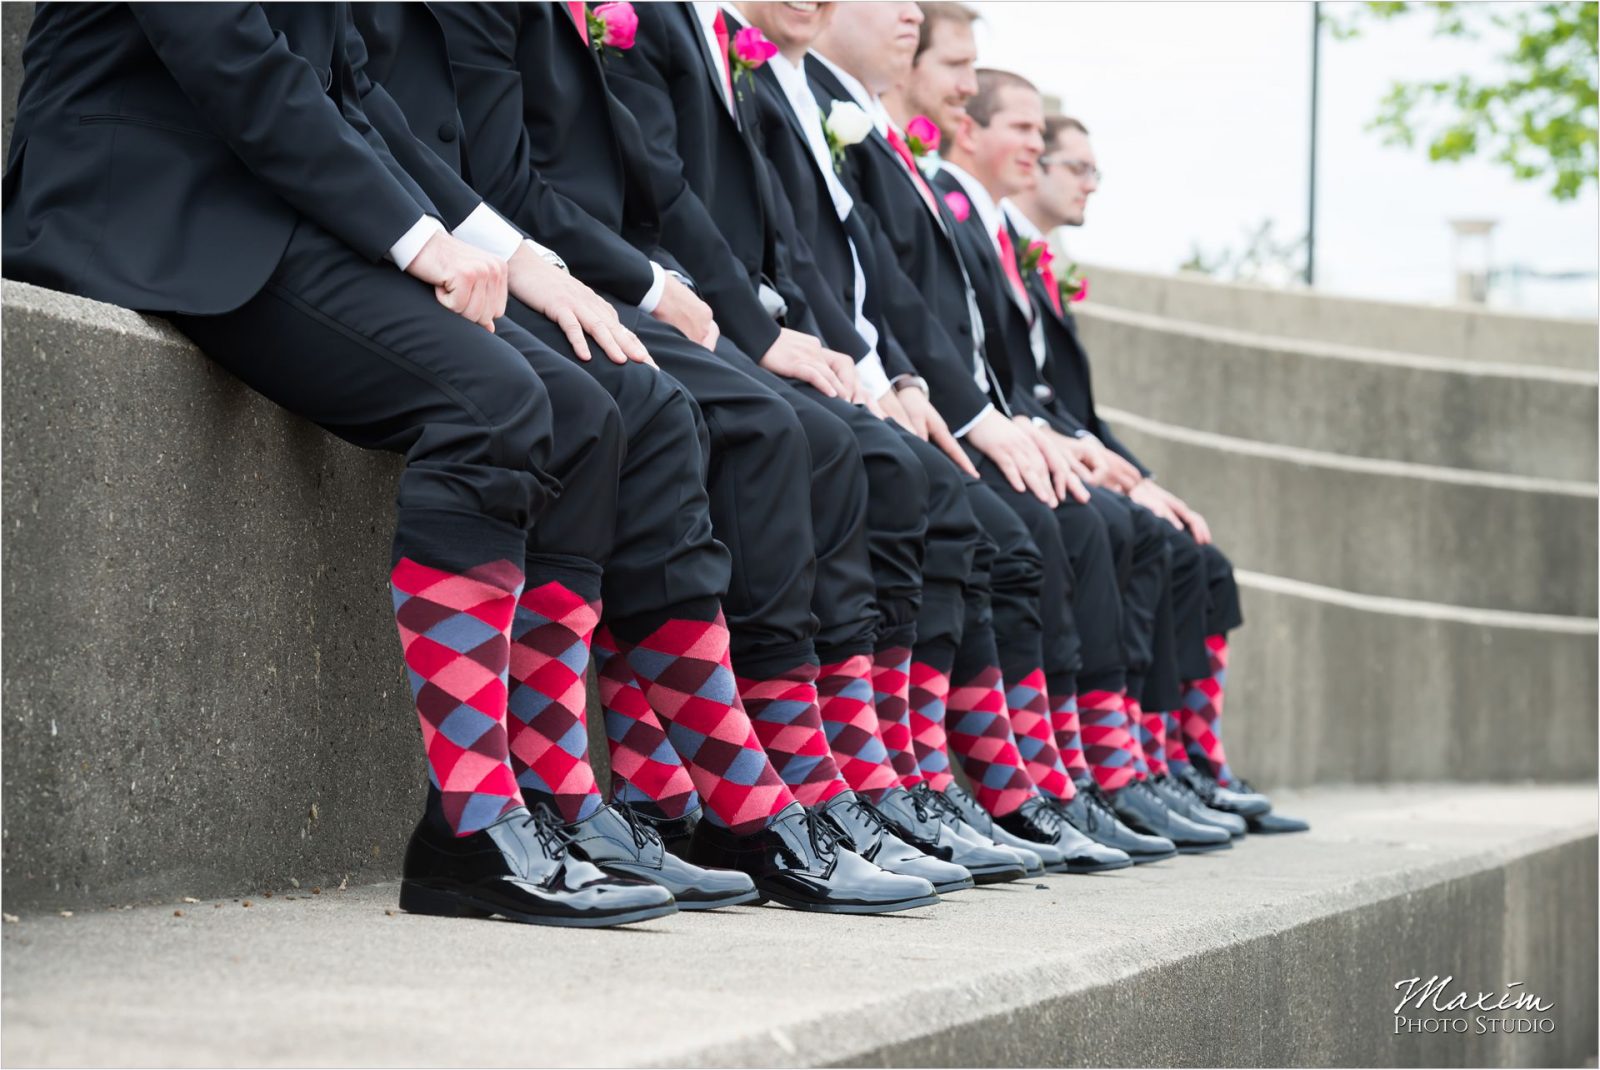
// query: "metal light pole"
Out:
[1311,183]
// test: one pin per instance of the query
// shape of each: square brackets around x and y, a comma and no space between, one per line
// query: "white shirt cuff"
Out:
[974,422]
[486,229]
[869,369]
[411,242]
[652,296]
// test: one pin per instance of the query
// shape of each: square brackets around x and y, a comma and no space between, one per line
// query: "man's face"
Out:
[791,25]
[1007,151]
[875,41]
[945,76]
[1063,193]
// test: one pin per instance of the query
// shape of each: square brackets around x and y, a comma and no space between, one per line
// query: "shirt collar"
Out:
[706,12]
[1019,220]
[982,203]
[861,94]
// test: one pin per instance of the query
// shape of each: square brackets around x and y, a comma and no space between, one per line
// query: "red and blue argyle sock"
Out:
[645,770]
[1202,714]
[1152,727]
[455,635]
[687,677]
[849,717]
[1028,703]
[787,720]
[549,699]
[1177,758]
[891,695]
[1136,729]
[980,732]
[1069,734]
[1108,745]
[929,691]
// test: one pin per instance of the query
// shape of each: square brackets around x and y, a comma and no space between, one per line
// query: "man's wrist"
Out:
[908,381]
[411,242]
[658,286]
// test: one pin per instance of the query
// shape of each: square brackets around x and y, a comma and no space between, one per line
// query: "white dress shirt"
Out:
[706,12]
[993,219]
[797,92]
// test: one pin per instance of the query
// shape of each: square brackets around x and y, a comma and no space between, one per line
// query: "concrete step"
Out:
[1459,332]
[1281,952]
[1509,418]
[1429,534]
[1328,687]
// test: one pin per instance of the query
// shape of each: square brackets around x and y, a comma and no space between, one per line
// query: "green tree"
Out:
[1537,118]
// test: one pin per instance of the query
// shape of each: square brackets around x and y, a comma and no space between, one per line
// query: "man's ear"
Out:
[967,134]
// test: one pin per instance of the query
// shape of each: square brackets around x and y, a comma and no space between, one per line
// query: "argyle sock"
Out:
[1152,727]
[1202,714]
[845,700]
[1069,734]
[1177,758]
[891,694]
[548,701]
[645,771]
[980,732]
[787,720]
[1028,703]
[1108,745]
[687,677]
[455,635]
[929,692]
[1136,729]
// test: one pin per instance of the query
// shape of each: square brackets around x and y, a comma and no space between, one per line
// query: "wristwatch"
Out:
[913,382]
[549,256]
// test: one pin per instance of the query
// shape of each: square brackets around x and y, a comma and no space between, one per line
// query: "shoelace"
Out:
[824,841]
[548,829]
[643,833]
[1098,806]
[962,806]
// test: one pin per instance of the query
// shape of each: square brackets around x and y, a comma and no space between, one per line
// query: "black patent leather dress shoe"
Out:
[1049,856]
[1090,814]
[1228,800]
[1139,806]
[518,868]
[674,831]
[864,831]
[798,861]
[622,844]
[910,816]
[1039,820]
[1182,799]
[1272,824]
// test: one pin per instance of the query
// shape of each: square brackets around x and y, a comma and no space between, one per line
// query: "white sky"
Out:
[1199,114]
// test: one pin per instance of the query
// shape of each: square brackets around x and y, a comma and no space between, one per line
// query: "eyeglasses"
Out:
[1081,168]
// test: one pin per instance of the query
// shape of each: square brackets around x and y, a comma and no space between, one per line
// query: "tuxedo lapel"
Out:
[709,61]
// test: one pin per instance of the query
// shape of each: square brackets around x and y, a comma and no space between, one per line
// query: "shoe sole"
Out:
[850,908]
[752,896]
[953,886]
[1003,875]
[1278,832]
[1102,867]
[441,903]
[1203,848]
[1144,860]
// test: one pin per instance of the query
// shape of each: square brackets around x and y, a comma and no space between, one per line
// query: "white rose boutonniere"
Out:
[845,125]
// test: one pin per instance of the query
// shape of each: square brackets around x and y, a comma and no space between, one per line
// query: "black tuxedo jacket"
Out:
[163,153]
[924,296]
[716,193]
[546,142]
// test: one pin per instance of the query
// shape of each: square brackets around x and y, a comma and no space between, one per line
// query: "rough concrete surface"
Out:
[1281,952]
[201,676]
[15,18]
[1381,527]
[1327,688]
[1462,332]
[1514,419]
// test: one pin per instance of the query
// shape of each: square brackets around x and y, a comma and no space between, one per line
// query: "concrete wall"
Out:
[1512,419]
[1454,331]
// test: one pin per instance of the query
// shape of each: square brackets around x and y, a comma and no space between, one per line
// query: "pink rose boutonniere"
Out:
[613,25]
[1074,284]
[922,136]
[1036,257]
[958,204]
[748,50]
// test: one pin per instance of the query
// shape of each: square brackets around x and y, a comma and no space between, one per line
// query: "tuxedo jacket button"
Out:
[447,131]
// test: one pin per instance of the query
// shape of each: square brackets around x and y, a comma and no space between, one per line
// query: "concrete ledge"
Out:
[1329,687]
[1280,952]
[1384,527]
[1341,399]
[201,687]
[1456,331]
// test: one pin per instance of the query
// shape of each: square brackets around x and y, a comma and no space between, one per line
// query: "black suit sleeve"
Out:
[483,56]
[687,227]
[228,60]
[833,324]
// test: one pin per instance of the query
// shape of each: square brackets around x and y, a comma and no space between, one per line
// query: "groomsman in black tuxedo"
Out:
[214,164]
[1068,175]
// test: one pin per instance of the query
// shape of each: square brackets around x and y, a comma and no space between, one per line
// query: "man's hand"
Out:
[1123,475]
[1014,452]
[679,307]
[799,356]
[1154,499]
[1192,520]
[1058,459]
[573,307]
[889,405]
[844,370]
[928,425]
[465,279]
